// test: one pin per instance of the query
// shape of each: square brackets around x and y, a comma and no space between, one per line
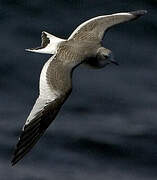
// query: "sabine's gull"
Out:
[83,46]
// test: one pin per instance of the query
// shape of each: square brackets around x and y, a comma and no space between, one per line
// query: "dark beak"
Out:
[114,62]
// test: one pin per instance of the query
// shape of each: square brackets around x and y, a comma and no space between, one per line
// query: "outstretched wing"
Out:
[46,106]
[93,29]
[42,114]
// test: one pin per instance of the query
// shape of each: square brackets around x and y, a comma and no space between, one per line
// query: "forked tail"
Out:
[49,44]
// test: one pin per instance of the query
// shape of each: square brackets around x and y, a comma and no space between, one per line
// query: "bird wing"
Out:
[93,29]
[43,113]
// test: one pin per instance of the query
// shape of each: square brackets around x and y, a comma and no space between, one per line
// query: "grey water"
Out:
[107,129]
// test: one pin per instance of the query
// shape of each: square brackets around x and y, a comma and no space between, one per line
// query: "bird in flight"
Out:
[83,46]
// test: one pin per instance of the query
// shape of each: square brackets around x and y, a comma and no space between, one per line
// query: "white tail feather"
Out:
[49,44]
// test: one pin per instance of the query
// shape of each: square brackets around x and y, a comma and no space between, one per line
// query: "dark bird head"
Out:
[106,57]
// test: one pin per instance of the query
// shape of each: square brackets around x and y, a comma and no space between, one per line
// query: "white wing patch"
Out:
[46,92]
[40,104]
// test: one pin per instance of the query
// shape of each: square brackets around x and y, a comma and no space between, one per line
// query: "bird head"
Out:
[106,56]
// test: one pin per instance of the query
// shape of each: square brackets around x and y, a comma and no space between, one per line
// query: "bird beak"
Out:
[114,62]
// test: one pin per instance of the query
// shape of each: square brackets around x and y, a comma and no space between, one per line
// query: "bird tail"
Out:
[49,44]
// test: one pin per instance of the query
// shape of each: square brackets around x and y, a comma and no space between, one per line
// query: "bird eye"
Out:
[105,56]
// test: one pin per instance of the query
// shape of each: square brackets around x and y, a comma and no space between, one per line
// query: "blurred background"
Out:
[107,129]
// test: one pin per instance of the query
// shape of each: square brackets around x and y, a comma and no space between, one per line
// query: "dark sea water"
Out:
[107,129]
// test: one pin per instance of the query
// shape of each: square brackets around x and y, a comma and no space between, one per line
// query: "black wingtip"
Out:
[139,13]
[13,161]
[12,164]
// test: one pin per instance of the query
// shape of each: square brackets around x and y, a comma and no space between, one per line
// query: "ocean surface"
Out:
[107,129]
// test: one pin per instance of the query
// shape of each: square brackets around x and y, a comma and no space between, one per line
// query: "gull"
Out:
[83,46]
